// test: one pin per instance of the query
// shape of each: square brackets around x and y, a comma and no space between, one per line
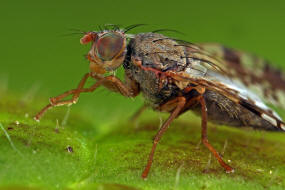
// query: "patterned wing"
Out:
[252,72]
[234,91]
[227,72]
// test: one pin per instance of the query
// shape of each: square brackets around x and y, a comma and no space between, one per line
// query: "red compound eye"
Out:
[109,45]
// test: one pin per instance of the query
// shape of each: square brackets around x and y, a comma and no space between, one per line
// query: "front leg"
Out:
[110,82]
[129,88]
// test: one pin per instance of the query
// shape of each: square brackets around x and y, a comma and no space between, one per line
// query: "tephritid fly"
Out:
[176,76]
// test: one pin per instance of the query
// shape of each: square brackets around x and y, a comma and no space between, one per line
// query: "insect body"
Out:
[175,76]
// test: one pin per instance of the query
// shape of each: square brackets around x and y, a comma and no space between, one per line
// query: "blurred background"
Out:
[39,55]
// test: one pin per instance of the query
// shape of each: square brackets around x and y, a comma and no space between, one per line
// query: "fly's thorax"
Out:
[147,80]
[159,52]
[145,58]
[152,55]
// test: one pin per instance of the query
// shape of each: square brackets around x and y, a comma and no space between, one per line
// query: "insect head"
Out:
[107,52]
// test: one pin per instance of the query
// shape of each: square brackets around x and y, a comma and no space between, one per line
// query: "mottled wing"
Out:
[254,73]
[226,73]
[233,91]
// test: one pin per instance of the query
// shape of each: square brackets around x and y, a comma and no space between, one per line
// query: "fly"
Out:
[224,86]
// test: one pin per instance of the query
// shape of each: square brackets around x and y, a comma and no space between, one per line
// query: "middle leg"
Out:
[136,115]
[180,102]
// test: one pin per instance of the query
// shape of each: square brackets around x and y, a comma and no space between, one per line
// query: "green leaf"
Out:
[80,155]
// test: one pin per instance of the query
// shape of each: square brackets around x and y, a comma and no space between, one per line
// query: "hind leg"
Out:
[205,138]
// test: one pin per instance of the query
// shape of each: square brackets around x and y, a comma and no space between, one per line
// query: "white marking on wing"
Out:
[196,69]
[269,119]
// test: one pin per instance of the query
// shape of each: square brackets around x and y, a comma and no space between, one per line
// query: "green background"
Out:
[34,50]
[40,58]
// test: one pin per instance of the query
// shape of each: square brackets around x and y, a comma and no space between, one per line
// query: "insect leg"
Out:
[67,93]
[128,89]
[136,115]
[205,138]
[56,101]
[180,102]
[110,82]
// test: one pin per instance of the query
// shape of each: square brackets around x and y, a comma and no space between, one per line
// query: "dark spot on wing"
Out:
[234,62]
[231,56]
[274,76]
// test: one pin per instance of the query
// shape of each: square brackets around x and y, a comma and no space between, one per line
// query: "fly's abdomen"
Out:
[222,110]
